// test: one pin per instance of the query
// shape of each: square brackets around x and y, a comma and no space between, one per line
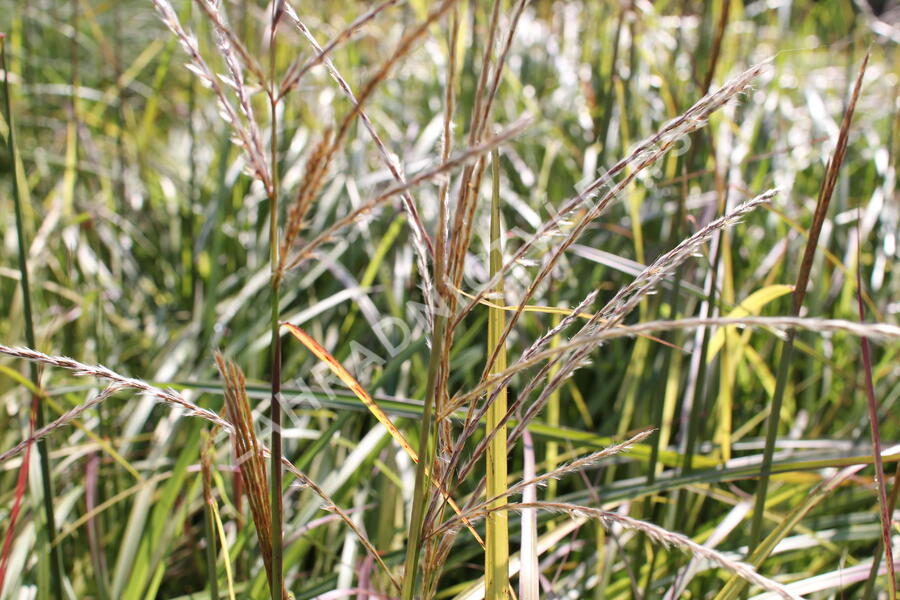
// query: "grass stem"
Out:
[496,565]
[209,522]
[420,498]
[37,406]
[276,585]
[803,276]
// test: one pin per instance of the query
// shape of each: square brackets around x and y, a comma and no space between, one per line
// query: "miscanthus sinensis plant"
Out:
[476,301]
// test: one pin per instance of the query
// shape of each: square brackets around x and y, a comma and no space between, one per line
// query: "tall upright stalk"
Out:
[37,406]
[277,581]
[496,556]
[275,410]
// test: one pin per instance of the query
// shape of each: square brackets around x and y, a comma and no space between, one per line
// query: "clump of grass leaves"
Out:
[405,485]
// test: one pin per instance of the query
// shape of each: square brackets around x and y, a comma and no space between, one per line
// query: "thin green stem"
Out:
[765,471]
[276,585]
[56,557]
[277,478]
[417,518]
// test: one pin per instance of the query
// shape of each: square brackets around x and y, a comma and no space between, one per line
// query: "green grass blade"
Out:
[735,585]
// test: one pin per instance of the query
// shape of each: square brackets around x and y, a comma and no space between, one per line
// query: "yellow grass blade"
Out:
[732,347]
[344,375]
[338,369]
[223,540]
[558,310]
[751,305]
[496,556]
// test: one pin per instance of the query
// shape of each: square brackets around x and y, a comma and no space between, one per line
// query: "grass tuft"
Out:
[481,373]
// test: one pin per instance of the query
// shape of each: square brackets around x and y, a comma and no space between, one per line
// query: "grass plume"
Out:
[250,457]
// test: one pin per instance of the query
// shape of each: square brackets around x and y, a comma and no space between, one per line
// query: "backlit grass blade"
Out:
[220,529]
[338,369]
[732,345]
[529,585]
[750,306]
